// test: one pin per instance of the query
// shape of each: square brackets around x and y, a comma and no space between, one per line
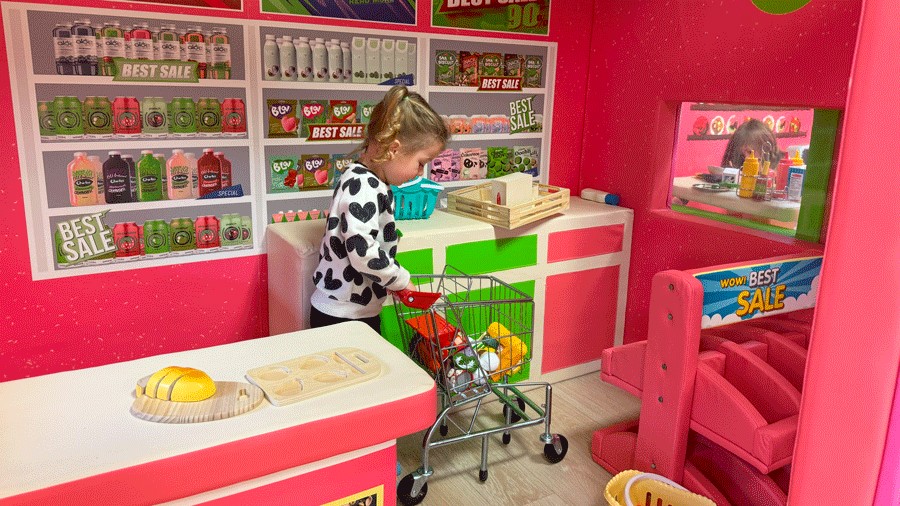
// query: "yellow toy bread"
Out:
[179,384]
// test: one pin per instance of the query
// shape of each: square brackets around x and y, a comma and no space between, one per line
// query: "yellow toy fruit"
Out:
[179,384]
[511,350]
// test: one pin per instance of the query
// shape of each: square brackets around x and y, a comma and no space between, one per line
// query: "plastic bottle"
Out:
[347,62]
[320,62]
[209,172]
[82,181]
[762,190]
[64,50]
[781,172]
[178,175]
[149,178]
[112,45]
[225,165]
[195,179]
[85,39]
[220,61]
[287,55]
[98,174]
[600,196]
[169,43]
[195,49]
[129,45]
[116,179]
[271,68]
[142,42]
[132,174]
[163,169]
[304,59]
[795,178]
[335,62]
[749,171]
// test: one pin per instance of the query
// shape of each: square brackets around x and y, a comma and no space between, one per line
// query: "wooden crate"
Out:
[475,202]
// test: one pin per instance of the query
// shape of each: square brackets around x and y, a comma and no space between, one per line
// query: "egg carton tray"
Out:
[315,374]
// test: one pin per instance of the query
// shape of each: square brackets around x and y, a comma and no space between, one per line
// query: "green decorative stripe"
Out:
[484,257]
[818,173]
[418,261]
[733,220]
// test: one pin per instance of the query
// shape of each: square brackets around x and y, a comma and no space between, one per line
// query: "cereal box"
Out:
[446,68]
[534,68]
[498,161]
[342,111]
[284,173]
[468,66]
[314,172]
[313,112]
[470,163]
[282,118]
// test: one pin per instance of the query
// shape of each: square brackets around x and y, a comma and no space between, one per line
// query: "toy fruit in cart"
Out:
[448,337]
[511,350]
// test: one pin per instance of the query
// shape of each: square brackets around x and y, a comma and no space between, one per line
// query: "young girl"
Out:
[752,135]
[356,260]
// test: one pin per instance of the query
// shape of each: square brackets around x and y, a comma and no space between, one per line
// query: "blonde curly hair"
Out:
[404,116]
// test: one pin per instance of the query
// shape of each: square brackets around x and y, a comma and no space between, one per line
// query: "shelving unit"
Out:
[43,173]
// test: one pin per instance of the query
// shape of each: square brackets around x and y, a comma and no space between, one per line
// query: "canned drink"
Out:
[234,117]
[127,237]
[156,237]
[206,232]
[181,234]
[68,117]
[246,231]
[182,117]
[98,119]
[231,229]
[153,117]
[126,117]
[46,120]
[209,116]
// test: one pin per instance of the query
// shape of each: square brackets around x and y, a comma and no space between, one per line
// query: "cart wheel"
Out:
[514,417]
[443,428]
[404,490]
[482,475]
[550,451]
[506,438]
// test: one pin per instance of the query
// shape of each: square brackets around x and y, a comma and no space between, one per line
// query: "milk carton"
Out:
[511,189]
[401,50]
[387,59]
[373,61]
[358,59]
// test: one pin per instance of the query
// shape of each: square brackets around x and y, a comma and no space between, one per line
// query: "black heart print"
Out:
[332,284]
[338,248]
[362,213]
[380,291]
[359,170]
[379,263]
[333,222]
[327,253]
[373,277]
[351,274]
[374,234]
[316,277]
[344,223]
[384,203]
[390,232]
[363,298]
[357,243]
[353,185]
[373,182]
[393,252]
[391,282]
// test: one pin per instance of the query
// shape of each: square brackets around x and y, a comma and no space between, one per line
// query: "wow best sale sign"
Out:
[741,293]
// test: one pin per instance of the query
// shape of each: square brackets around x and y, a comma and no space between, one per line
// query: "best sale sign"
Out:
[516,16]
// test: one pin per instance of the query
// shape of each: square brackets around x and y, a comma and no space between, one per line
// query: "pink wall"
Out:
[83,321]
[646,59]
[692,156]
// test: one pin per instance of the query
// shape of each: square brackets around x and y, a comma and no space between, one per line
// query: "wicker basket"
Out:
[475,202]
[633,488]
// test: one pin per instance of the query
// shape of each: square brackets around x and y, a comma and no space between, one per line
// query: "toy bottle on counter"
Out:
[762,190]
[82,181]
[749,171]
[796,176]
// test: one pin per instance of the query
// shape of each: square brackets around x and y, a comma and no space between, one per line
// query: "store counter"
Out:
[574,264]
[778,210]
[69,438]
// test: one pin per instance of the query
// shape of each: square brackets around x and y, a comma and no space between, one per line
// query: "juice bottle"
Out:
[163,169]
[129,43]
[209,117]
[82,181]
[220,62]
[271,59]
[64,50]
[149,178]
[304,59]
[85,38]
[98,119]
[225,165]
[195,49]
[112,45]
[346,62]
[169,43]
[320,61]
[195,183]
[141,42]
[98,172]
[153,117]
[116,179]
[209,172]
[287,57]
[178,174]
[335,61]
[132,174]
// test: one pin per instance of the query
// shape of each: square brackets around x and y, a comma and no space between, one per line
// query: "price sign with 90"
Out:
[280,109]
[518,16]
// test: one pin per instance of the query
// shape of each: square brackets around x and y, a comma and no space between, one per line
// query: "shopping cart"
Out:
[475,335]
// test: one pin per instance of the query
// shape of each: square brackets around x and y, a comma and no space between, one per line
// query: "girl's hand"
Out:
[410,287]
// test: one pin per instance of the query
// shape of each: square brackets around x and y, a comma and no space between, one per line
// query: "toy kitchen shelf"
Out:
[711,137]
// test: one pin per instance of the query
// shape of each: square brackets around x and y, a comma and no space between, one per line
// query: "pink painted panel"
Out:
[584,242]
[578,333]
[326,485]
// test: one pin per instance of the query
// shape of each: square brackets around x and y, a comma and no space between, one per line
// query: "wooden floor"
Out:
[518,473]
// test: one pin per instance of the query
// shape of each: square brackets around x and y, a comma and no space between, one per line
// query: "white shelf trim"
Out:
[146,206]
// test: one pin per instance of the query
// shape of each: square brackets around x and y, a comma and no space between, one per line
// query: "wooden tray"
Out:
[316,374]
[475,202]
[231,398]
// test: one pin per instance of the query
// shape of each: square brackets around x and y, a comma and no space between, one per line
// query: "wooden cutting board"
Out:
[316,374]
[231,398]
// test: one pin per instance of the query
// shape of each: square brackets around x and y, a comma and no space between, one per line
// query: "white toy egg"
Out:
[489,361]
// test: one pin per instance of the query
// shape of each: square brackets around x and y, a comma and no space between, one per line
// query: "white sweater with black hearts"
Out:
[356,259]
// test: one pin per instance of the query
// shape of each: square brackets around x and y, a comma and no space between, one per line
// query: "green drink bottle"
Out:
[156,237]
[149,178]
[181,234]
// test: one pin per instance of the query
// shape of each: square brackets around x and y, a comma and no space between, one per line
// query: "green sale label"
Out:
[83,238]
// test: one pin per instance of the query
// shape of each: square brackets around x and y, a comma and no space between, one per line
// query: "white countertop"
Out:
[71,425]
[780,210]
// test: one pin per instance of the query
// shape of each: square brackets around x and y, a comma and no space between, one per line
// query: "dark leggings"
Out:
[319,319]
